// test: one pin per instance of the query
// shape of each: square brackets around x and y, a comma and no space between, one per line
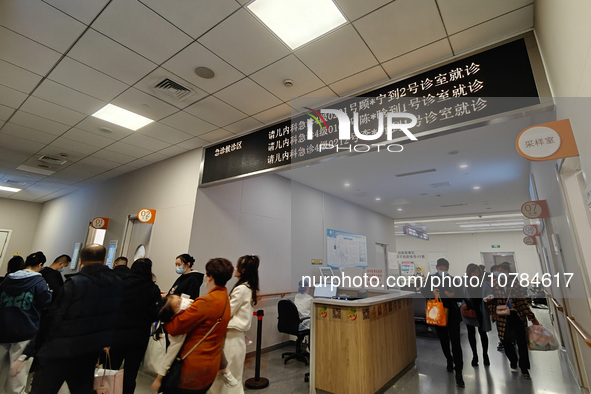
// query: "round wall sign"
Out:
[539,142]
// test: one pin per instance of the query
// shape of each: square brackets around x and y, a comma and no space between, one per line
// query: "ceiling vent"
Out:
[454,205]
[416,172]
[52,160]
[173,89]
[15,183]
[440,184]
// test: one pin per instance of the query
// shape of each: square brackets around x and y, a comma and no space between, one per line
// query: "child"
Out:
[174,305]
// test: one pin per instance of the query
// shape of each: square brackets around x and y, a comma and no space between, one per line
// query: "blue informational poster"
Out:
[345,249]
[111,253]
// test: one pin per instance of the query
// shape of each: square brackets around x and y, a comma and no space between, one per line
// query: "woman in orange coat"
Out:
[201,367]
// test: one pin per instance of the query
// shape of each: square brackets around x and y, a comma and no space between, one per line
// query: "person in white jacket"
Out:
[242,299]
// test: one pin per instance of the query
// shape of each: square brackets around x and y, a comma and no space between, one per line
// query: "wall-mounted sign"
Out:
[413,232]
[535,209]
[531,230]
[146,215]
[529,240]
[482,85]
[547,141]
[495,246]
[316,261]
[99,223]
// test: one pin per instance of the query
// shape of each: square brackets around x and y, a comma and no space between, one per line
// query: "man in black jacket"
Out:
[451,332]
[120,266]
[82,321]
[52,274]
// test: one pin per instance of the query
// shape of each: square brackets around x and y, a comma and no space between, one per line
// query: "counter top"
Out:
[373,297]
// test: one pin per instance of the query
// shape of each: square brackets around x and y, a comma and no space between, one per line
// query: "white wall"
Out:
[463,249]
[169,187]
[284,223]
[21,217]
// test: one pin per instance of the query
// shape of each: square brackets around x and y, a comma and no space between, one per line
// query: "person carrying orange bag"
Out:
[444,314]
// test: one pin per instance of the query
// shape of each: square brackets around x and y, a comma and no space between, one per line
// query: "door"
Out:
[136,239]
[4,237]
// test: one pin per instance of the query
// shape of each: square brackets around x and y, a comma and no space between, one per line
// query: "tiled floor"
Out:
[549,372]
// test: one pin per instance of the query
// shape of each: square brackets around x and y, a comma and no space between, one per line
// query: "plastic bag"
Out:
[436,313]
[540,338]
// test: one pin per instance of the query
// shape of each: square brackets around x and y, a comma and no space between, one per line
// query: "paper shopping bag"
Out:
[108,381]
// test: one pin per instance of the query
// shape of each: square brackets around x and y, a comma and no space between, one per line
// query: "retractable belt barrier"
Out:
[257,382]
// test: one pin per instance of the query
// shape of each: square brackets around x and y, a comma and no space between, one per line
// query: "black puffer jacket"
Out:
[84,316]
[139,308]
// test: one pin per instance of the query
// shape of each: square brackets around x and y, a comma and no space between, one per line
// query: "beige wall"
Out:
[21,217]
[169,187]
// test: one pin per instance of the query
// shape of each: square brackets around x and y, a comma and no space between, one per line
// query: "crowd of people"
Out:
[53,331]
[478,306]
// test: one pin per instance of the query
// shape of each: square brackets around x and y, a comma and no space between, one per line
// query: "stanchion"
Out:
[257,382]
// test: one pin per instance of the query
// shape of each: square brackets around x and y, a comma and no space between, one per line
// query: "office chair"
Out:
[288,322]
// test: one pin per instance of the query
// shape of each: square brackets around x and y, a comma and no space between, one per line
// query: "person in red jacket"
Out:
[201,366]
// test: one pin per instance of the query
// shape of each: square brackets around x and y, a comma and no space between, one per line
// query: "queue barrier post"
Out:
[257,382]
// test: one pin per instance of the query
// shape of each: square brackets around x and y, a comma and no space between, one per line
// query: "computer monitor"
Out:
[326,291]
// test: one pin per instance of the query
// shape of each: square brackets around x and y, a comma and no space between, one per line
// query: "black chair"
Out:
[288,323]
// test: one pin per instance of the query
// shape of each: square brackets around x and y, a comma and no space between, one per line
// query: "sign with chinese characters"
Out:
[413,232]
[99,223]
[146,215]
[529,240]
[535,209]
[547,141]
[531,230]
[482,85]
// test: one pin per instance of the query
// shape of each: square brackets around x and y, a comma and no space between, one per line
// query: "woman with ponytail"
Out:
[242,299]
[189,280]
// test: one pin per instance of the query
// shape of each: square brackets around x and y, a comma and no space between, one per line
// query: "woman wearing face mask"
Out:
[473,294]
[189,281]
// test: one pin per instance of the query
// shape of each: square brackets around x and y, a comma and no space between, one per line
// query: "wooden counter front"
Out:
[358,349]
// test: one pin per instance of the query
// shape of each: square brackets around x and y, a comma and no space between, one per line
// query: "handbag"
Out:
[172,380]
[469,313]
[436,314]
[108,381]
[155,350]
[504,310]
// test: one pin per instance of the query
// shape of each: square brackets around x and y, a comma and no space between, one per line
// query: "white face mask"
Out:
[179,269]
[441,272]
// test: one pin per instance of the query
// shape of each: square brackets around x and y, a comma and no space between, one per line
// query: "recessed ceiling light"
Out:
[292,21]
[378,199]
[476,187]
[122,117]
[347,184]
[10,189]
[399,209]
[463,165]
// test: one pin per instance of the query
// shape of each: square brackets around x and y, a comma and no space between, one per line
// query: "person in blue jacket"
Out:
[23,294]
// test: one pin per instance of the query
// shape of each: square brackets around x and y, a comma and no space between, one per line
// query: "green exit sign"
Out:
[495,246]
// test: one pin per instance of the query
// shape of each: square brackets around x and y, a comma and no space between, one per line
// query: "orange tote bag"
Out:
[436,313]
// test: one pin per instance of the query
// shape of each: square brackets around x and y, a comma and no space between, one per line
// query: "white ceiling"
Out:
[61,60]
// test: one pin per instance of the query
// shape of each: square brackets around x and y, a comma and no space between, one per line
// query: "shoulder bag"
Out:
[504,310]
[172,380]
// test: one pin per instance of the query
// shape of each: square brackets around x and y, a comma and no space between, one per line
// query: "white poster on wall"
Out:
[345,249]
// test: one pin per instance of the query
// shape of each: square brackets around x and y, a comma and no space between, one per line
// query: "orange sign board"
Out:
[547,141]
[100,223]
[146,215]
[535,209]
[531,230]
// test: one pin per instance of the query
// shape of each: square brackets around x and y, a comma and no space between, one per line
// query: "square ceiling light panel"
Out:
[298,22]
[122,117]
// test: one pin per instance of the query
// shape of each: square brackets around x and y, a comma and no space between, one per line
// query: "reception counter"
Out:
[360,345]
